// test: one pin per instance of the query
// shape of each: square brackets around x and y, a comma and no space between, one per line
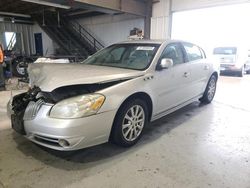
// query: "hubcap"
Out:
[19,69]
[211,89]
[133,123]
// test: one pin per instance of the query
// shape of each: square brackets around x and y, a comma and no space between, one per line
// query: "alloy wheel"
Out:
[211,89]
[20,70]
[133,123]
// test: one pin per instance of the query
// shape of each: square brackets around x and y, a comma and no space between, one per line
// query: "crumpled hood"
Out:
[51,76]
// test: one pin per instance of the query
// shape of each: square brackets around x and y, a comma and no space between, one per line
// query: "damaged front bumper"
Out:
[68,134]
[34,122]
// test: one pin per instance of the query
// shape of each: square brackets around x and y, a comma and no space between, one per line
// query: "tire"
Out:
[241,73]
[210,90]
[16,69]
[127,132]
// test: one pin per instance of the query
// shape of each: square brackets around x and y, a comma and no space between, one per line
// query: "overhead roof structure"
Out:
[75,8]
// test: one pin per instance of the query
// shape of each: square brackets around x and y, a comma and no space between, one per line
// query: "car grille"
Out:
[32,109]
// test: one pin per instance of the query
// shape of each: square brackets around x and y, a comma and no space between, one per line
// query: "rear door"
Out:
[199,69]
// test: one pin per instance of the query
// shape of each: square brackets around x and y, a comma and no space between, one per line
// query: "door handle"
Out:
[206,67]
[186,74]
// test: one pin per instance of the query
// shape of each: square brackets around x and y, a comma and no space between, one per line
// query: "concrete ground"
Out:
[198,146]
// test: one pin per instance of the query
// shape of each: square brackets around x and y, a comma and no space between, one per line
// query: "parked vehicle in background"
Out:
[232,59]
[247,67]
[16,63]
[112,95]
[20,64]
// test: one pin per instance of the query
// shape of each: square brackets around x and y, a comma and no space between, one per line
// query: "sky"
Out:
[213,27]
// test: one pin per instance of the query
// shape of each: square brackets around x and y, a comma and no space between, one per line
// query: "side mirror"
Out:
[165,64]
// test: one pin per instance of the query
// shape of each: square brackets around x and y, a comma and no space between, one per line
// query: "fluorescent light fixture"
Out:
[14,14]
[40,2]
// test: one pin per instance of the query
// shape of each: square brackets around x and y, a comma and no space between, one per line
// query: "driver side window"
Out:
[173,51]
[117,53]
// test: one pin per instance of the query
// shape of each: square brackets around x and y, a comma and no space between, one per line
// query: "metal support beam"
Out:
[126,6]
[170,20]
[14,14]
[40,2]
[147,20]
[134,7]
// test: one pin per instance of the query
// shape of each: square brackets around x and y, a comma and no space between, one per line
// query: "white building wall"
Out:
[48,46]
[111,29]
[162,10]
[180,5]
[160,20]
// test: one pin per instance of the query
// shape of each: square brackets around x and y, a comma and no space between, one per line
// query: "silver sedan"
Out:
[112,95]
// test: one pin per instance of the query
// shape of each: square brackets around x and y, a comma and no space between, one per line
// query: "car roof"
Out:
[143,41]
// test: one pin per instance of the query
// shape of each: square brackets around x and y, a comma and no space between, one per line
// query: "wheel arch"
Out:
[144,96]
[215,74]
[139,95]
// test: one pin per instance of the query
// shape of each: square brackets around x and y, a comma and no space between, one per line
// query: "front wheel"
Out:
[129,123]
[210,90]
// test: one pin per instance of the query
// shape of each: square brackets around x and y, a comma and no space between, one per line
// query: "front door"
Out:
[171,84]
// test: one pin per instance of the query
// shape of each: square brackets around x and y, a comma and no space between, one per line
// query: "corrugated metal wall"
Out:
[159,27]
[26,35]
[160,20]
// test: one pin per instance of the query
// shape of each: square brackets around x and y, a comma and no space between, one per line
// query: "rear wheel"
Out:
[241,72]
[129,124]
[210,90]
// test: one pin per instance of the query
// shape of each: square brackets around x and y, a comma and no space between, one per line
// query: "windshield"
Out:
[129,56]
[225,50]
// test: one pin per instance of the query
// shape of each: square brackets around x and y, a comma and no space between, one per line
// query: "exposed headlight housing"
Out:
[77,107]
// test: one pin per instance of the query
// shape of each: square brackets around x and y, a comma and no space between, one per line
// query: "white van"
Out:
[232,59]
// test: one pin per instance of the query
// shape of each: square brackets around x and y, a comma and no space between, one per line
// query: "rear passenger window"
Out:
[193,52]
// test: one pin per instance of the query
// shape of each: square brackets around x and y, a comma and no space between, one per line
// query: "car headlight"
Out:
[77,107]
